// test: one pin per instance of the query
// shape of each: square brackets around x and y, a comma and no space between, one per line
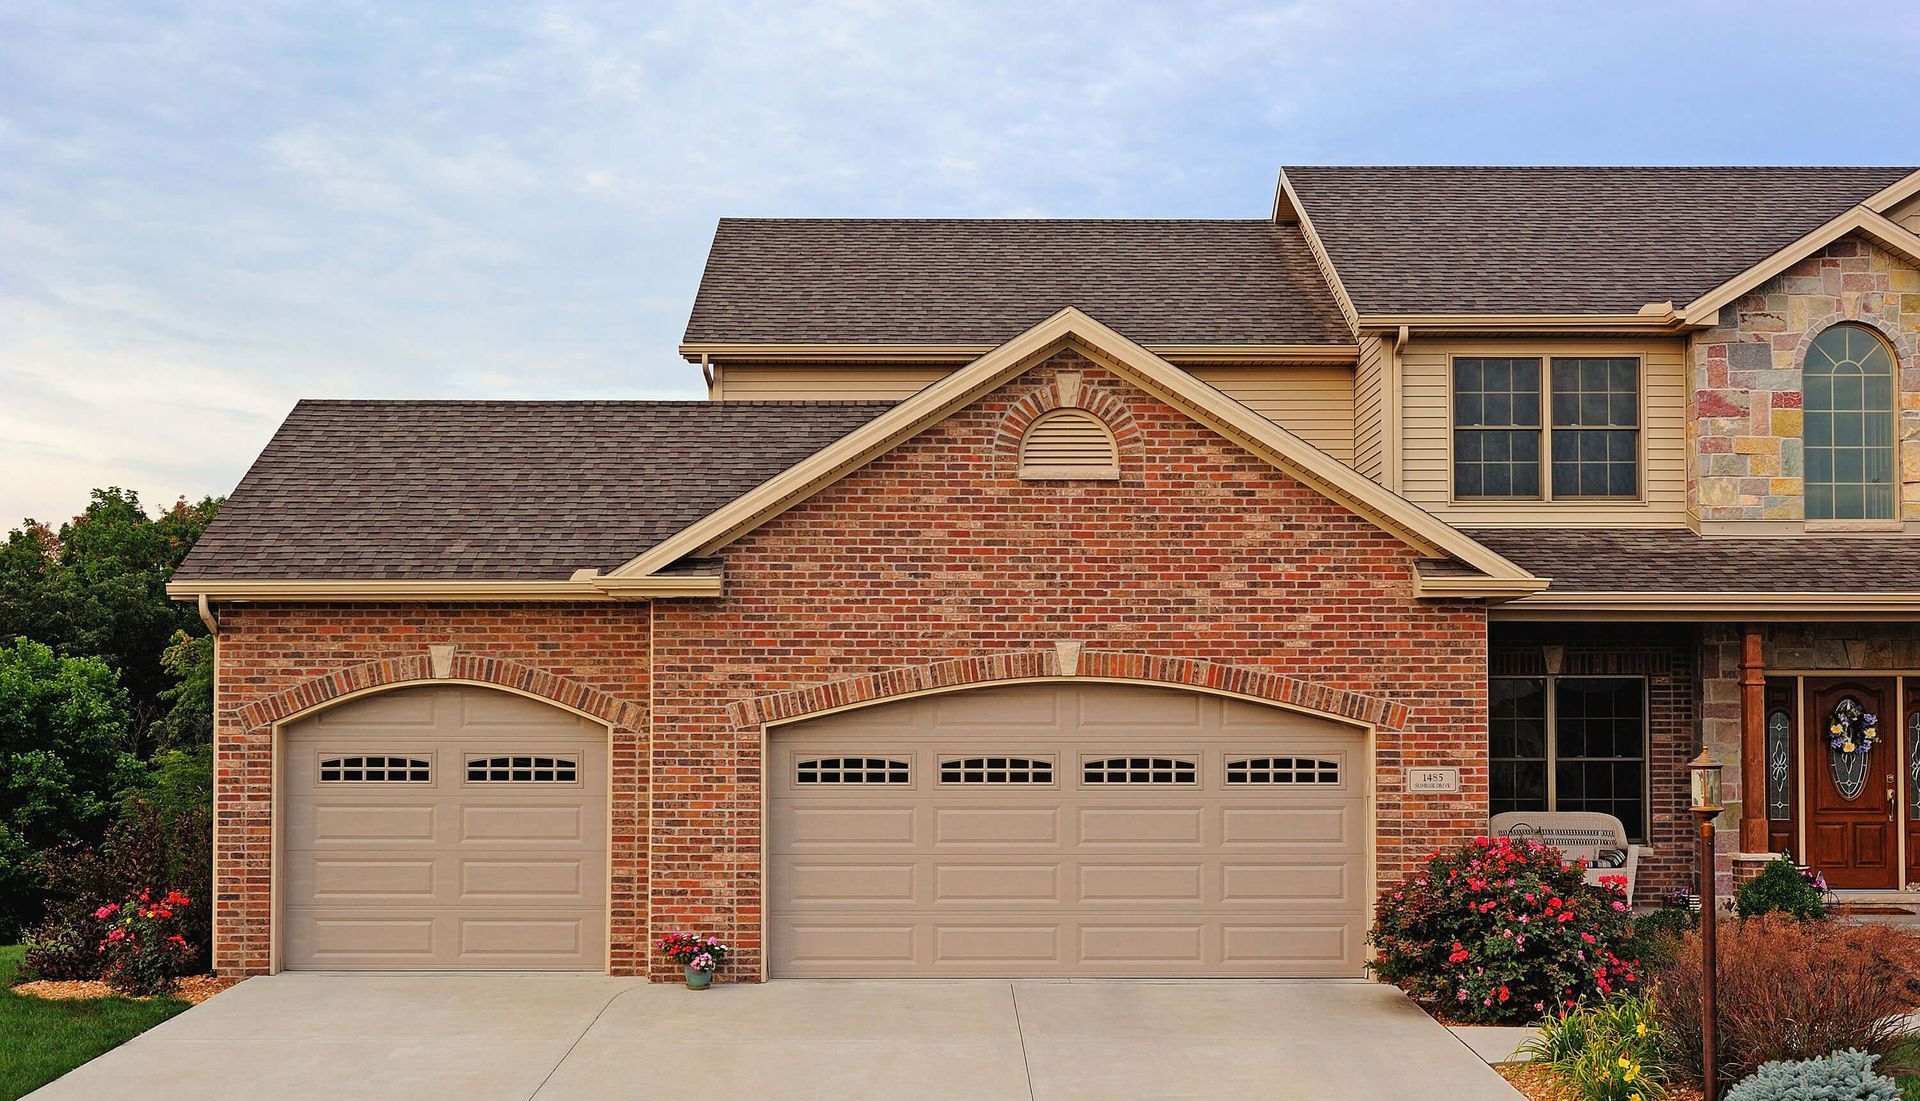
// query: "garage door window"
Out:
[374,769]
[1283,770]
[996,770]
[1140,770]
[852,770]
[522,770]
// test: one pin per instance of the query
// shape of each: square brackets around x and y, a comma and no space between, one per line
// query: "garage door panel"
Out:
[989,873]
[500,868]
[968,825]
[829,827]
[1338,826]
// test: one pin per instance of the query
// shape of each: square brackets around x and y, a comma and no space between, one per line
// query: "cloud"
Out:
[208,210]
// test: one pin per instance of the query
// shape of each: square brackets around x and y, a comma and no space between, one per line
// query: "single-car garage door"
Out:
[444,827]
[1067,829]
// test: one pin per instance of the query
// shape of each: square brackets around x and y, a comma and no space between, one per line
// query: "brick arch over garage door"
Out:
[1070,659]
[1070,826]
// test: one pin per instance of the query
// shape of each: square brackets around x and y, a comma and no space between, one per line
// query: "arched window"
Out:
[1069,443]
[1848,396]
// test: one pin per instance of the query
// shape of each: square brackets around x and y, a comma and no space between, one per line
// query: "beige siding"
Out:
[821,382]
[1907,214]
[1370,451]
[1427,427]
[1314,403]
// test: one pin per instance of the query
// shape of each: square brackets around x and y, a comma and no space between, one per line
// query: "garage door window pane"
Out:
[851,770]
[1140,770]
[374,769]
[523,770]
[996,770]
[1283,770]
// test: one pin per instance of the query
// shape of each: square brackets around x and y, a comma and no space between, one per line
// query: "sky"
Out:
[211,210]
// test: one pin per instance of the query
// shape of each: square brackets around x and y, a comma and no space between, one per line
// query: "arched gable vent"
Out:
[1069,443]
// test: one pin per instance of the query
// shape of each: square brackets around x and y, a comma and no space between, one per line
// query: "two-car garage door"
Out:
[1067,829]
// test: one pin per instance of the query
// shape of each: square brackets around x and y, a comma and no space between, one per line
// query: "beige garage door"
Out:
[444,827]
[1086,829]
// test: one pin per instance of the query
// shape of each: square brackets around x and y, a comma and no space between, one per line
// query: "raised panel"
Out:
[844,884]
[1155,943]
[1135,882]
[995,826]
[1328,943]
[492,825]
[998,943]
[504,939]
[525,880]
[339,878]
[1140,826]
[864,943]
[1286,825]
[391,823]
[353,936]
[1288,884]
[996,883]
[824,827]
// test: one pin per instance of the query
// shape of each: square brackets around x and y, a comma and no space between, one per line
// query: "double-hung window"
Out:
[1570,743]
[1588,412]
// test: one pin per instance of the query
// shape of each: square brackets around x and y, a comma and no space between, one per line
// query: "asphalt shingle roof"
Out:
[952,281]
[510,490]
[1561,240]
[1676,560]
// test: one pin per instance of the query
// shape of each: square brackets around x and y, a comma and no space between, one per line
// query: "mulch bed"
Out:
[193,989]
[1538,1083]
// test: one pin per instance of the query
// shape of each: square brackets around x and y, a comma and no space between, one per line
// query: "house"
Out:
[1099,597]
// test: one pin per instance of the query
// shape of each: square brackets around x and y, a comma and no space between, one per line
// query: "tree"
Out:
[97,587]
[63,767]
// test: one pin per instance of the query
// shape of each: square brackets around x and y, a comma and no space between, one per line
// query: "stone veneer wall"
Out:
[1744,414]
[1665,655]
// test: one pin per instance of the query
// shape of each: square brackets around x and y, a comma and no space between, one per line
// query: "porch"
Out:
[1605,716]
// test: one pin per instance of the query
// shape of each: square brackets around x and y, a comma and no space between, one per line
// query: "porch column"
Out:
[1753,741]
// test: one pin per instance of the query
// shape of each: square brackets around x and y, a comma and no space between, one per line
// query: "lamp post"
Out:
[1706,807]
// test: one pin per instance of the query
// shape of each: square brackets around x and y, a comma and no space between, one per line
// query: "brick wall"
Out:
[1665,656]
[278,659]
[936,551]
[1744,417]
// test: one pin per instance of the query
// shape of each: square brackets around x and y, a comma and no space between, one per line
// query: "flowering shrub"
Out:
[699,953]
[1503,930]
[1607,1052]
[143,951]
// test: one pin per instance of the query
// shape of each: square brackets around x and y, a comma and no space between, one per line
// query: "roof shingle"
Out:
[511,490]
[1561,240]
[1663,560]
[953,281]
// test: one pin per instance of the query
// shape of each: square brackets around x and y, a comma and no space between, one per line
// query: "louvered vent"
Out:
[1069,443]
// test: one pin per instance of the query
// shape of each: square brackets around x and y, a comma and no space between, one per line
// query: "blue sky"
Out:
[210,210]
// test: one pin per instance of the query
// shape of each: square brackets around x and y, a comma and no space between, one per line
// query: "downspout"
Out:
[207,617]
[1394,438]
[706,372]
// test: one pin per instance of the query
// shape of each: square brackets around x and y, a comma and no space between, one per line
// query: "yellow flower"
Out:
[1625,1062]
[1641,1029]
[1836,728]
[1633,1097]
[1631,1071]
[1847,748]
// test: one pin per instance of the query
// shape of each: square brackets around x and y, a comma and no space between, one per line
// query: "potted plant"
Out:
[699,955]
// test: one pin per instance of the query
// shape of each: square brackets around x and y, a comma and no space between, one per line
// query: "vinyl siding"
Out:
[1315,403]
[1427,426]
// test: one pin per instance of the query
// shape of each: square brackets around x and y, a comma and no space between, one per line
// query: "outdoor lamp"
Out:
[1706,783]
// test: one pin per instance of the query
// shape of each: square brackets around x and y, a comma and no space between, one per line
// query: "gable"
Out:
[1127,360]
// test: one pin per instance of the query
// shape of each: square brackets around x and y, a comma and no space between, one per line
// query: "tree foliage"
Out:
[63,765]
[96,586]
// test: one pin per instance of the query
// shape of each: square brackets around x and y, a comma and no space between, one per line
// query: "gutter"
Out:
[584,586]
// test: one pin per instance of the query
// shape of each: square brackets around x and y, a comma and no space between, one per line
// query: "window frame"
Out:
[1545,428]
[1892,521]
[1639,832]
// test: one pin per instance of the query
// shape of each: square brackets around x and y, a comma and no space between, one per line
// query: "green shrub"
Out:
[1502,931]
[145,847]
[1842,1076]
[62,948]
[1780,888]
[1656,935]
[1606,1052]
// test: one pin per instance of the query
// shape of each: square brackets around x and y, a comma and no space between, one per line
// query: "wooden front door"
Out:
[1851,807]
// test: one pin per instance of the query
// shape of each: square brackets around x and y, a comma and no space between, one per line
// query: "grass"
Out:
[42,1040]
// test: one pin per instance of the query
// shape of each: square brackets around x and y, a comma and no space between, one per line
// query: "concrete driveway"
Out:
[574,1037]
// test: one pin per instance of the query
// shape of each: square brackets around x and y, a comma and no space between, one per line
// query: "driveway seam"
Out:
[1013,991]
[568,1054]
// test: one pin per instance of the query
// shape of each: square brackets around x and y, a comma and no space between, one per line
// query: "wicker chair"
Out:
[1576,833]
